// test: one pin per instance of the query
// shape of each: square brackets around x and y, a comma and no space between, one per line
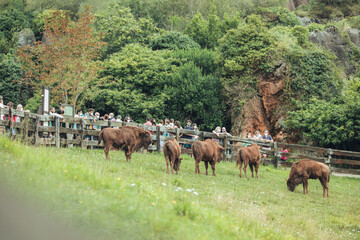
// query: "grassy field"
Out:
[138,200]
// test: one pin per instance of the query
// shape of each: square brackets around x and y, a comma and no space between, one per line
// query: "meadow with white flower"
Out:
[139,200]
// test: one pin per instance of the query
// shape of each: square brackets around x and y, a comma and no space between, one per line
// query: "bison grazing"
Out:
[249,155]
[302,170]
[127,138]
[172,153]
[207,151]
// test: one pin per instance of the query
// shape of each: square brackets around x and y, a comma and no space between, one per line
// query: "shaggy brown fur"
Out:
[207,151]
[172,153]
[302,170]
[127,138]
[249,155]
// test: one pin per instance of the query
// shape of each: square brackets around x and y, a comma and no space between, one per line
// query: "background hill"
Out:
[288,66]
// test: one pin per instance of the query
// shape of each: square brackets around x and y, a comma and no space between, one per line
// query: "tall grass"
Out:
[138,200]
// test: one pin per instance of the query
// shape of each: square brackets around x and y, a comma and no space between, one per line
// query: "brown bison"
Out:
[302,170]
[172,153]
[207,151]
[127,138]
[249,155]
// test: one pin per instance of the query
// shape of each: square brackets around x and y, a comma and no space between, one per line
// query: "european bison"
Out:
[249,155]
[302,170]
[207,151]
[127,138]
[172,153]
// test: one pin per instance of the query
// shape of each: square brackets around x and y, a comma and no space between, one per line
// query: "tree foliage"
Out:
[195,96]
[65,62]
[173,41]
[9,72]
[333,123]
[120,27]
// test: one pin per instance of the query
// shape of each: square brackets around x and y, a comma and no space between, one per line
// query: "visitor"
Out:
[2,102]
[217,132]
[118,118]
[148,122]
[224,132]
[257,136]
[172,124]
[111,117]
[267,138]
[188,136]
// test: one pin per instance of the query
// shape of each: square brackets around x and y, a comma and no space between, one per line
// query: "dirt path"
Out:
[345,175]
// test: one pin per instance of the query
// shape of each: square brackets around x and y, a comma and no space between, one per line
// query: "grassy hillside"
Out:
[138,200]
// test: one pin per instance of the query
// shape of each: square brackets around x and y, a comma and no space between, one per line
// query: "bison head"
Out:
[220,157]
[177,164]
[146,139]
[291,185]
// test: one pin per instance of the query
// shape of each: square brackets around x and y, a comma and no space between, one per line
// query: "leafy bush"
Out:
[173,40]
[278,16]
[203,58]
[312,74]
[196,97]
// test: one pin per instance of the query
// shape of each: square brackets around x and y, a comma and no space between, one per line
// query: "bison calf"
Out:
[207,151]
[249,155]
[172,153]
[302,170]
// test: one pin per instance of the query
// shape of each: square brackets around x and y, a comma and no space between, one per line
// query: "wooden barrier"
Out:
[49,131]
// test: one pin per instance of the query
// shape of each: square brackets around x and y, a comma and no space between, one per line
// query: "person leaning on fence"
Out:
[148,122]
[267,138]
[118,118]
[14,119]
[224,132]
[217,131]
[187,136]
[2,102]
[89,115]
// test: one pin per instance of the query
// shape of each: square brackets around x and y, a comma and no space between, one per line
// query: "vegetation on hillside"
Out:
[185,59]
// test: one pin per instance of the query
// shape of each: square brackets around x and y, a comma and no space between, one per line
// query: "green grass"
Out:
[138,200]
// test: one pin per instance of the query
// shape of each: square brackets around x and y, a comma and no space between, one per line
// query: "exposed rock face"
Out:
[292,4]
[332,40]
[354,35]
[260,112]
[26,37]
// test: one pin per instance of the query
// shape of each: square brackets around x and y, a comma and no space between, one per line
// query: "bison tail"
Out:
[100,137]
[238,158]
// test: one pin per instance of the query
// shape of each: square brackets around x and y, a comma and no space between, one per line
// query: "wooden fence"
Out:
[69,132]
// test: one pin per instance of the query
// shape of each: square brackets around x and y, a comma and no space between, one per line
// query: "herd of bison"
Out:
[129,139]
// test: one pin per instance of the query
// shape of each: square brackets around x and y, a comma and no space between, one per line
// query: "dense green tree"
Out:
[202,58]
[134,82]
[196,97]
[10,71]
[12,21]
[197,29]
[334,123]
[172,40]
[120,28]
[246,49]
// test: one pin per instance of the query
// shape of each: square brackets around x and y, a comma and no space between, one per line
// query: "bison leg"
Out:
[197,169]
[213,167]
[240,169]
[245,166]
[252,170]
[325,186]
[257,168]
[172,163]
[206,167]
[167,164]
[106,151]
[305,186]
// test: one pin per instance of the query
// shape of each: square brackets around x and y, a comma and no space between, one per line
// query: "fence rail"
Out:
[69,132]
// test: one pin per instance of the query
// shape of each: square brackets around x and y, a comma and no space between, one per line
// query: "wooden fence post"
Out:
[158,139]
[329,152]
[57,132]
[36,137]
[11,124]
[275,152]
[177,134]
[225,147]
[81,132]
[26,127]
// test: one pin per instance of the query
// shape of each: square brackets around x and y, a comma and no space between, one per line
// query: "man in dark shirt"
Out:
[186,136]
